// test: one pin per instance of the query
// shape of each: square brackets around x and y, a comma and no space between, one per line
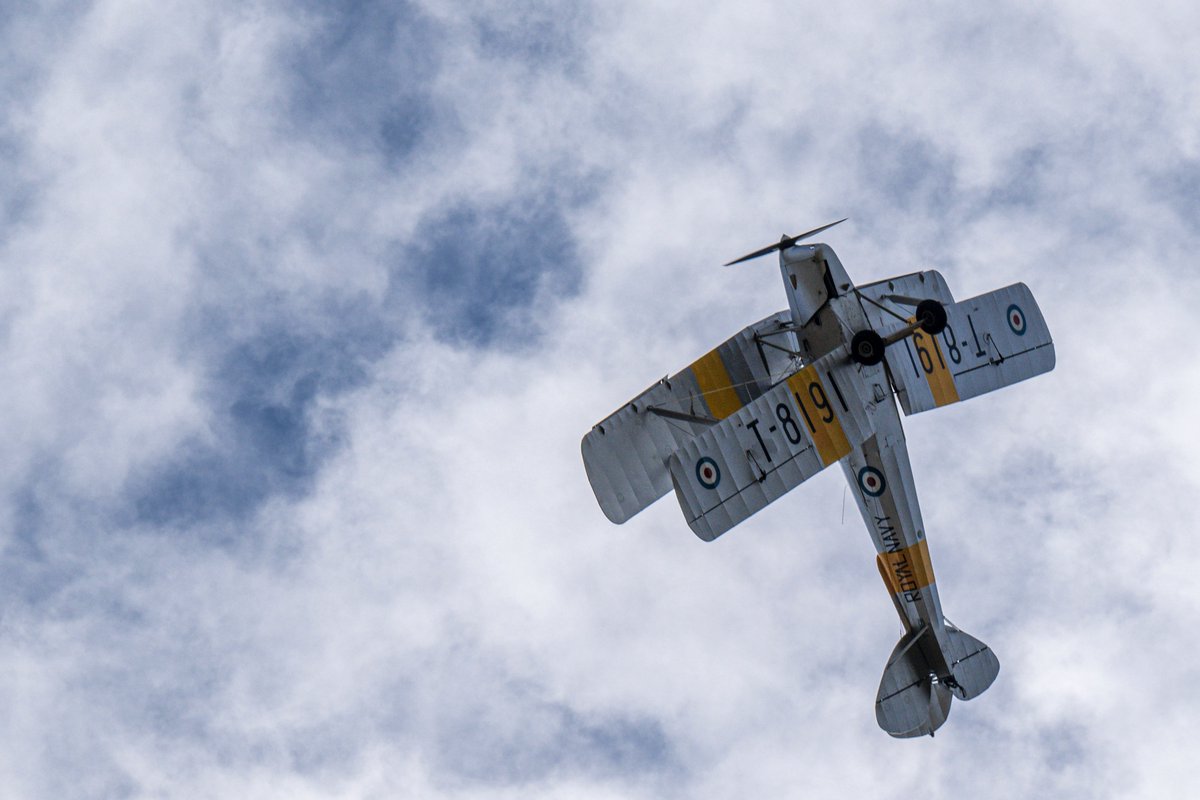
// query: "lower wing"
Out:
[764,450]
[990,341]
[626,454]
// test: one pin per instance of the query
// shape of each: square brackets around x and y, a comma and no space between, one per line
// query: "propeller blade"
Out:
[785,242]
[815,231]
[763,252]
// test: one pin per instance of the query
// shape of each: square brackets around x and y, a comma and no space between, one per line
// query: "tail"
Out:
[923,676]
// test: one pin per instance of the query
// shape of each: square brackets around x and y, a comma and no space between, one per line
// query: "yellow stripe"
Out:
[715,385]
[817,416]
[906,570]
[941,382]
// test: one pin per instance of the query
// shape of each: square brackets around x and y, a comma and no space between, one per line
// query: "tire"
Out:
[932,316]
[866,348]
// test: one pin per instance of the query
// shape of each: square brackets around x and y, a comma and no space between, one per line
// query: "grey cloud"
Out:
[1179,187]
[478,267]
[361,80]
[508,735]
[539,36]
[471,269]
[907,170]
[319,366]
[266,438]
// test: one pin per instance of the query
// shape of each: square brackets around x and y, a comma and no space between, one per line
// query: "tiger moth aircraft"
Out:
[813,385]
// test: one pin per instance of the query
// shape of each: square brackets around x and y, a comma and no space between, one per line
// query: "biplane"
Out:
[814,385]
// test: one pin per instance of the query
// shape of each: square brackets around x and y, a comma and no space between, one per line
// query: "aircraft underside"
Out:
[797,391]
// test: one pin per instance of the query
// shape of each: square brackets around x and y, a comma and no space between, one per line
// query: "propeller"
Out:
[785,242]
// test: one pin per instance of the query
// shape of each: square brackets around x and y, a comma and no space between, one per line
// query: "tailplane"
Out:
[922,677]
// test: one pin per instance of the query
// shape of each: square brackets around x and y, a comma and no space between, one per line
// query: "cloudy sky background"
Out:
[305,308]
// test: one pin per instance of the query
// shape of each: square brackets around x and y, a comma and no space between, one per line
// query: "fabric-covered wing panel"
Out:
[991,341]
[772,445]
[626,454]
[901,294]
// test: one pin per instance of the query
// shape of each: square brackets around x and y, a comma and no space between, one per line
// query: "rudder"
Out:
[922,678]
[972,662]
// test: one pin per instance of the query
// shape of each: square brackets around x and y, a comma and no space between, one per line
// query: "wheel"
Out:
[866,348]
[932,316]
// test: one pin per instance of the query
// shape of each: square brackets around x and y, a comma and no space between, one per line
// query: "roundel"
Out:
[1016,319]
[708,473]
[871,481]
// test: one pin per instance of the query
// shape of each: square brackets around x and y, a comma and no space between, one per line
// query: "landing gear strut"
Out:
[867,346]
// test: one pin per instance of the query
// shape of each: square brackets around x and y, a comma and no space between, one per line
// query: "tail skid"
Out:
[923,676]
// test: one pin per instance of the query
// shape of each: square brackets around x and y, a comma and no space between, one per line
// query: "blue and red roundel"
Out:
[1016,319]
[871,481]
[708,473]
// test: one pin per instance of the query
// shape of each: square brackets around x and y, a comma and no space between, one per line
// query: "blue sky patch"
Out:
[362,81]
[479,266]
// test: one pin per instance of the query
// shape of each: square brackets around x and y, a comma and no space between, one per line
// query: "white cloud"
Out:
[414,592]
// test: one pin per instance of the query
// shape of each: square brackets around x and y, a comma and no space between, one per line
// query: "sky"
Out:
[305,307]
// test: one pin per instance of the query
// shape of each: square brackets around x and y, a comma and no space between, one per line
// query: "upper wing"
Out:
[626,454]
[903,292]
[774,444]
[990,341]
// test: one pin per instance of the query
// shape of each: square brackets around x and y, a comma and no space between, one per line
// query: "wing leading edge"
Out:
[626,454]
[990,341]
[771,446]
